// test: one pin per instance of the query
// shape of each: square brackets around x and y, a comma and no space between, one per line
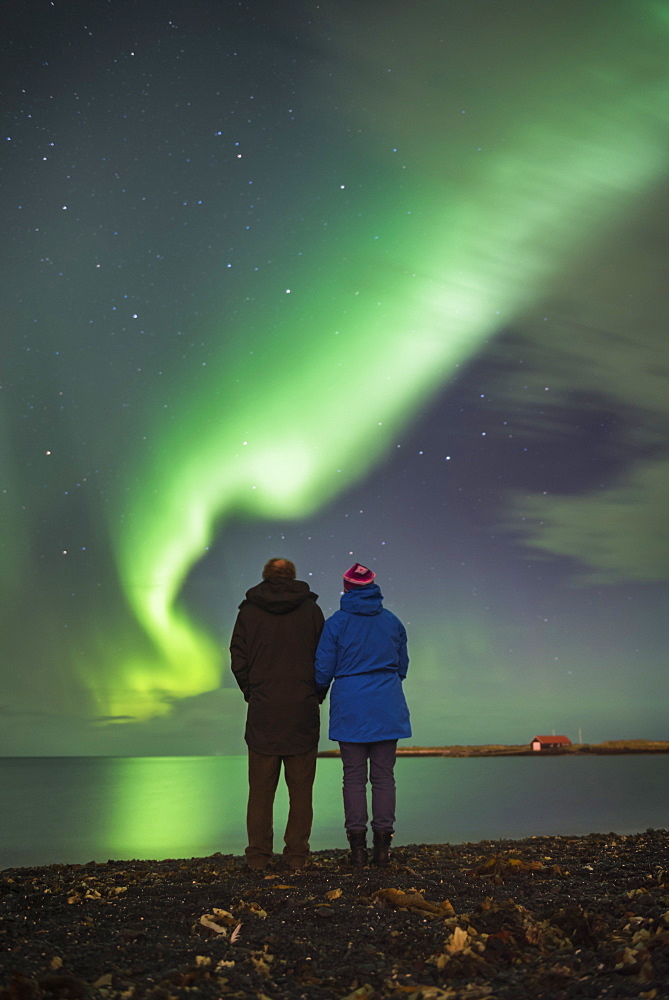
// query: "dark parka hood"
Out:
[279,596]
[366,600]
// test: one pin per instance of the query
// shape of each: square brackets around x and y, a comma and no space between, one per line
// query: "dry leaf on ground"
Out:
[207,920]
[415,902]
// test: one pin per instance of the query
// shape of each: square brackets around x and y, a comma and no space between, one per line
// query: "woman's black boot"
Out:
[381,852]
[358,842]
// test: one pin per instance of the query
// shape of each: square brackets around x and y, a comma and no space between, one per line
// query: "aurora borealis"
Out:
[334,281]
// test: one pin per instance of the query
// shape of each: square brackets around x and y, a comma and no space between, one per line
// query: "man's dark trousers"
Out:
[264,770]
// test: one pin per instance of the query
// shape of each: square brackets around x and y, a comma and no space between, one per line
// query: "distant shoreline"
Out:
[524,750]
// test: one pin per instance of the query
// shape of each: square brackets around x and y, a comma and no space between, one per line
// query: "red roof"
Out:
[552,739]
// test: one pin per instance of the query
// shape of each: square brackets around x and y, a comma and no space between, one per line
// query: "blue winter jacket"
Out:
[363,649]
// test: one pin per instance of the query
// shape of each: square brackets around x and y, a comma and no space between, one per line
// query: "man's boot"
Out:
[381,852]
[358,843]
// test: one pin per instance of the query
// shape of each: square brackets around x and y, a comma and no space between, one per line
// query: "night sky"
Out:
[342,280]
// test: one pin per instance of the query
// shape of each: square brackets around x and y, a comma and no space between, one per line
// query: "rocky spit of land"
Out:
[547,917]
[525,750]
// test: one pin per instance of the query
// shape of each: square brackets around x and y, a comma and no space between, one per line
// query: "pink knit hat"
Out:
[358,576]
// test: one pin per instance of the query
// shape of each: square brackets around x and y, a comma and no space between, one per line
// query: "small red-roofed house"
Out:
[550,742]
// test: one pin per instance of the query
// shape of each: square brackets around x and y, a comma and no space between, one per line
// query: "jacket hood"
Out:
[363,600]
[279,596]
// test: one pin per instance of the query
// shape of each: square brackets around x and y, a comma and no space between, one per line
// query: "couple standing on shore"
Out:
[285,657]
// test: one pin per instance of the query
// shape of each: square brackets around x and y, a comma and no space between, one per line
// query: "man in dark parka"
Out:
[272,653]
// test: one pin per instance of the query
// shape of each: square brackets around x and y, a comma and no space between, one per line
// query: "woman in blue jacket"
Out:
[363,650]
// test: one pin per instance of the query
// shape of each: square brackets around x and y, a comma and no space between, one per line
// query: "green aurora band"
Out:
[415,290]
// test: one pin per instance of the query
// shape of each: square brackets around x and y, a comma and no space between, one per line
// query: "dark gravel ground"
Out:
[547,917]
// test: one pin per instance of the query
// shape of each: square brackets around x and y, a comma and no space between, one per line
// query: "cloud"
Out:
[618,535]
[207,724]
[599,347]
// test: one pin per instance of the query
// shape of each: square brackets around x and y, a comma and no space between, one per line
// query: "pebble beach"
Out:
[545,917]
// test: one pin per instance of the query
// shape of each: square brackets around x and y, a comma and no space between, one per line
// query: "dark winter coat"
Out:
[272,652]
[363,649]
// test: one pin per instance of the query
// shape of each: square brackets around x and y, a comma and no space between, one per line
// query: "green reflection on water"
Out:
[168,806]
[162,807]
[194,806]
[181,807]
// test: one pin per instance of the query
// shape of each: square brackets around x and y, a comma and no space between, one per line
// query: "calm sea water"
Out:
[78,809]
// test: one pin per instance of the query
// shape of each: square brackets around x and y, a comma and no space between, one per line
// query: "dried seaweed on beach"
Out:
[547,917]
